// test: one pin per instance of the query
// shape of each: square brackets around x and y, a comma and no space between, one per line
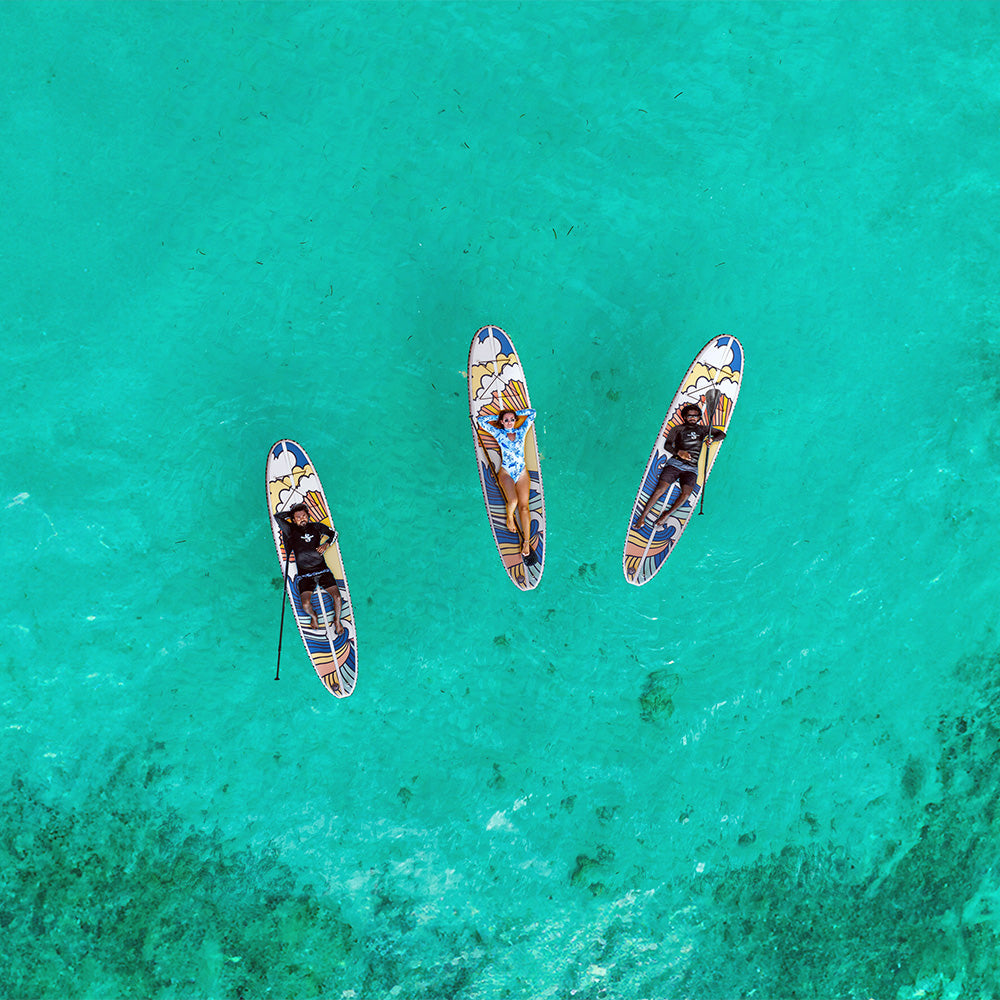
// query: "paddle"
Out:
[488,383]
[284,585]
[499,403]
[711,403]
[530,559]
[284,591]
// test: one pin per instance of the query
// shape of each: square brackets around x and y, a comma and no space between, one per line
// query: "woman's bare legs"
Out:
[524,509]
[517,495]
[509,488]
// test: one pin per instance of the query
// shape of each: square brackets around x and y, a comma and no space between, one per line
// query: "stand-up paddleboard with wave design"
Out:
[291,479]
[495,367]
[712,382]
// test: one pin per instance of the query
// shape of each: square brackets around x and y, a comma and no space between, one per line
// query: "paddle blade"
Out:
[711,404]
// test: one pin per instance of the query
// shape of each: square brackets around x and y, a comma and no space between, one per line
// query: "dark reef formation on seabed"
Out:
[118,897]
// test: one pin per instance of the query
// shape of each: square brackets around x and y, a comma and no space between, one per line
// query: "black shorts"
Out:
[309,583]
[671,472]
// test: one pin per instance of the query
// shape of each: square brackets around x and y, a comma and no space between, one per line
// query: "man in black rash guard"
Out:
[684,442]
[306,539]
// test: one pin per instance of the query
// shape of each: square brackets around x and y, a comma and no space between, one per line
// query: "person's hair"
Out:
[688,407]
[298,506]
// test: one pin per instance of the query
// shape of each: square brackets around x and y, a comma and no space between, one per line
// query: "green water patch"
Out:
[117,893]
[120,897]
[924,923]
[921,920]
[114,893]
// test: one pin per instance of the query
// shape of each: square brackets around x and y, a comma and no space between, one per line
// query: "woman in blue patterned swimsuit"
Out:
[512,475]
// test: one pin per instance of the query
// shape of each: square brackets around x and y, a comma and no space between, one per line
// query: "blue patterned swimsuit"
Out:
[511,452]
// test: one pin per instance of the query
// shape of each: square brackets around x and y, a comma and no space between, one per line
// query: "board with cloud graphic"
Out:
[712,382]
[292,479]
[495,367]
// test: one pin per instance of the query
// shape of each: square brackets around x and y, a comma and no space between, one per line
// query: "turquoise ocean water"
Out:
[772,772]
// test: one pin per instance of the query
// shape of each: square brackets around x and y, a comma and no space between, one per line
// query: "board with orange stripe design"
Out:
[716,373]
[291,479]
[495,367]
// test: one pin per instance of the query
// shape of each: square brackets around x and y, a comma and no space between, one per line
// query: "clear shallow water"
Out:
[771,772]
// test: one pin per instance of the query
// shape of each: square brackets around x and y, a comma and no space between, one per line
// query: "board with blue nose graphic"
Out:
[507,456]
[712,383]
[292,480]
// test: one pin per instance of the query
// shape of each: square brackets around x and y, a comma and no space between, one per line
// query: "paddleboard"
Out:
[495,367]
[715,377]
[291,479]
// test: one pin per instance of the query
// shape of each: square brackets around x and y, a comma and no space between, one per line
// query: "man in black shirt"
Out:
[684,442]
[306,539]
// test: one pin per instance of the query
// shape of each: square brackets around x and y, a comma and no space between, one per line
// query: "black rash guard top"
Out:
[304,540]
[684,438]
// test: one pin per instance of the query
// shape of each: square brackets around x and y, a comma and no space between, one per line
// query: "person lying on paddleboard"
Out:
[306,539]
[513,475]
[684,442]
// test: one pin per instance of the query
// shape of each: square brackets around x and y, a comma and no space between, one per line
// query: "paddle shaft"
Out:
[284,585]
[281,627]
[708,445]
[482,395]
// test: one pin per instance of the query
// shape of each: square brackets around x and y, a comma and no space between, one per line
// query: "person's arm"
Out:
[529,413]
[484,421]
[284,519]
[329,533]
